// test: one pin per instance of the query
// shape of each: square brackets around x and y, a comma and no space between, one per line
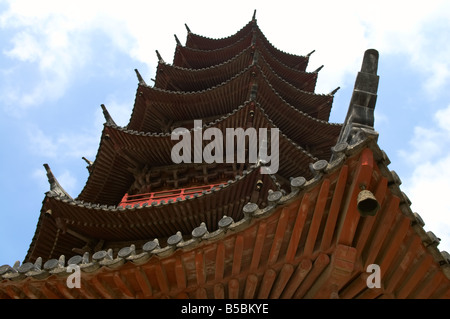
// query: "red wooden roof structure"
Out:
[145,227]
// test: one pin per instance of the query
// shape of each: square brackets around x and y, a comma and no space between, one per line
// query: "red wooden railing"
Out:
[163,195]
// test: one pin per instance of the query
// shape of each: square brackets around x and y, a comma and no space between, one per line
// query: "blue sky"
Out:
[59,60]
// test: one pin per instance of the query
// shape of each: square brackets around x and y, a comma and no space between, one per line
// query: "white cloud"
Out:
[428,186]
[63,146]
[65,179]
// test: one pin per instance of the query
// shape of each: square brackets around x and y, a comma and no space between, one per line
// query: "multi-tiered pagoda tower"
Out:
[146,227]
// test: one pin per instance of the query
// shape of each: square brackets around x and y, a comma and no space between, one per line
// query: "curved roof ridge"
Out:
[273,60]
[200,91]
[291,106]
[221,122]
[179,56]
[230,60]
[278,51]
[290,86]
[133,121]
[227,38]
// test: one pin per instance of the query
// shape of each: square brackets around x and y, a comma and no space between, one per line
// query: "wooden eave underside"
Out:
[311,243]
[123,150]
[156,110]
[61,218]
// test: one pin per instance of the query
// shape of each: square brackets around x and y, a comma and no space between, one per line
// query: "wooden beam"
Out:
[258,248]
[319,265]
[279,235]
[266,283]
[313,230]
[233,289]
[302,213]
[250,286]
[351,215]
[334,209]
[302,270]
[237,255]
[281,281]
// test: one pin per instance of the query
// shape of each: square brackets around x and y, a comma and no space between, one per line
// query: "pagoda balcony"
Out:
[158,197]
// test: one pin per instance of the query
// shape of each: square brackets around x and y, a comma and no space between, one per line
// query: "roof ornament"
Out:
[107,116]
[187,28]
[90,163]
[159,57]
[176,39]
[254,15]
[334,91]
[309,54]
[360,115]
[140,79]
[55,187]
[318,69]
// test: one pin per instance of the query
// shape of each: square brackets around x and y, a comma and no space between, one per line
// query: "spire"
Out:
[254,15]
[360,113]
[140,79]
[108,117]
[55,187]
[187,28]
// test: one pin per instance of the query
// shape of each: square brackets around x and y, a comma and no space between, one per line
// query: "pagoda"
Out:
[320,225]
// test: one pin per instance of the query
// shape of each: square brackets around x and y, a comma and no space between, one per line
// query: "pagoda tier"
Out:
[197,47]
[175,78]
[160,111]
[127,152]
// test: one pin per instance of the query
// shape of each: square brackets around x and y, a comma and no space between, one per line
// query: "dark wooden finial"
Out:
[140,79]
[318,69]
[187,28]
[90,163]
[160,59]
[107,116]
[55,187]
[254,15]
[335,90]
[309,54]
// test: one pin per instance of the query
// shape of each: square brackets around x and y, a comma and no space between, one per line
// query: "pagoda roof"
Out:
[175,78]
[198,45]
[122,149]
[66,224]
[155,110]
[276,251]
[196,41]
